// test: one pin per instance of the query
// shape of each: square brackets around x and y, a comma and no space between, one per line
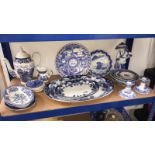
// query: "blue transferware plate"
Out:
[20,109]
[142,91]
[18,96]
[101,62]
[105,88]
[73,60]
[76,88]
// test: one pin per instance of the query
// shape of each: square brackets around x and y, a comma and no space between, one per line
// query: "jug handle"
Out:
[36,53]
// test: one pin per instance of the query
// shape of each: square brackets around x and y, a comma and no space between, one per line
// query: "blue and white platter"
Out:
[101,62]
[18,97]
[73,60]
[35,85]
[90,88]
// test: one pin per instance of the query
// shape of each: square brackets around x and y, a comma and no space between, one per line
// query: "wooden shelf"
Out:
[44,104]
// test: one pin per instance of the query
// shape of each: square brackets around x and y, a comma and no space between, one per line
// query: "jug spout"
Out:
[10,69]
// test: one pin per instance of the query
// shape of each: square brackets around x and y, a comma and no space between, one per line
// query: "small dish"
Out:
[18,97]
[35,85]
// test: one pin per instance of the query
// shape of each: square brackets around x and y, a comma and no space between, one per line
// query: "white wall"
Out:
[49,50]
[143,55]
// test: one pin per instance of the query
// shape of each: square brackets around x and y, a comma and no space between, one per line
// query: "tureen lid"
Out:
[22,54]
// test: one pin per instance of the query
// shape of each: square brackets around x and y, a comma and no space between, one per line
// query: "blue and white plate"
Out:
[35,85]
[124,75]
[101,62]
[18,96]
[73,60]
[105,87]
[76,88]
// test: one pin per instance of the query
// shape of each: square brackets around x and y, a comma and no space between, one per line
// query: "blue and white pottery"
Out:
[100,87]
[18,96]
[13,108]
[24,66]
[127,92]
[73,60]
[43,74]
[35,85]
[143,88]
[101,62]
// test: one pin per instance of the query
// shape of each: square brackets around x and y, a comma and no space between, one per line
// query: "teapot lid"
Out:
[22,54]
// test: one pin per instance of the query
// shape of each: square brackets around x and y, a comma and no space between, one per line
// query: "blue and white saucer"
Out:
[35,85]
[101,62]
[18,97]
[73,60]
[142,91]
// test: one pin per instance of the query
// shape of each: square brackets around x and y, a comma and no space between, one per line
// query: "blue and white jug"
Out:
[23,66]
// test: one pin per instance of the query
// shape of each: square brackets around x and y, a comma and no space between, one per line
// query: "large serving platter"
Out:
[101,88]
[124,75]
[101,62]
[73,60]
[18,97]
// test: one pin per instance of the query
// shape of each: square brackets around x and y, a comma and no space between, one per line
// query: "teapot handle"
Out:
[36,53]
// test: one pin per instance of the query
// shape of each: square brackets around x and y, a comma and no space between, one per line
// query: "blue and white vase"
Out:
[23,66]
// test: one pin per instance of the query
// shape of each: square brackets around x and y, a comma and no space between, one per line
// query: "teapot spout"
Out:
[10,69]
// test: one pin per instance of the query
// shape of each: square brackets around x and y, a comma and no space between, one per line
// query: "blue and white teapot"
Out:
[23,66]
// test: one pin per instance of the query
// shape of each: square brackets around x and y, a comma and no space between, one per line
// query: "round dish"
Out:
[101,62]
[72,60]
[35,85]
[18,96]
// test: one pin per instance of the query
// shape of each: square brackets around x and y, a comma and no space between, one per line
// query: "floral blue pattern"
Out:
[73,60]
[105,88]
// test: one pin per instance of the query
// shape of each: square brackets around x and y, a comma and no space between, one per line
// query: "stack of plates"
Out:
[78,89]
[18,98]
[122,76]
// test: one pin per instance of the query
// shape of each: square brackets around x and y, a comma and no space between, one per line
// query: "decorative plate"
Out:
[122,76]
[18,96]
[101,62]
[73,60]
[12,108]
[105,88]
[76,88]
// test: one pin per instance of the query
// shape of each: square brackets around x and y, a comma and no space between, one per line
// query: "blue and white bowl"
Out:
[18,97]
[35,85]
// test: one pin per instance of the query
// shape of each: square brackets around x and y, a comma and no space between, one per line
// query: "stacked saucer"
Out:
[123,75]
[18,98]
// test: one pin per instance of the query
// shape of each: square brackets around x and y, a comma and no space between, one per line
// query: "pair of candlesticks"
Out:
[142,88]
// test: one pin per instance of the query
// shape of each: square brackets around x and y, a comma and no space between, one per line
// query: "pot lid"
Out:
[22,54]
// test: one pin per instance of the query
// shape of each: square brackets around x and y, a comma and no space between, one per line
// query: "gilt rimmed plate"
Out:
[73,60]
[18,96]
[101,62]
